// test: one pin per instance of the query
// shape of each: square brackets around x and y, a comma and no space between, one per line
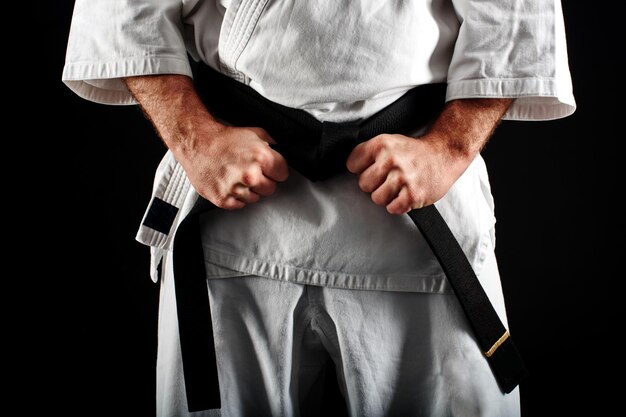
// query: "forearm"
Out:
[229,166]
[464,127]
[171,103]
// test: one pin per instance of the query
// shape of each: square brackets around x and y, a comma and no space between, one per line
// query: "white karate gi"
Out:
[340,61]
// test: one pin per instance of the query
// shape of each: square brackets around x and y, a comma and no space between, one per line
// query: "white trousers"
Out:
[396,353]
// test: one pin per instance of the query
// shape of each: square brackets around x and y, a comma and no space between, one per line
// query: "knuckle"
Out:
[234,204]
[389,162]
[260,155]
[399,206]
[398,181]
[413,196]
[221,202]
[282,169]
[250,178]
[397,209]
[377,145]
[378,198]
[418,200]
[270,188]
[383,142]
[364,184]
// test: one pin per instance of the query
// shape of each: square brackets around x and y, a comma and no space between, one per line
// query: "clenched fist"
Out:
[232,167]
[229,166]
[401,172]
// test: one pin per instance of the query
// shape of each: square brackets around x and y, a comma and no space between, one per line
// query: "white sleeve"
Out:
[111,39]
[516,49]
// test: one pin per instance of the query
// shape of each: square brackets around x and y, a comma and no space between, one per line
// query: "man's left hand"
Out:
[403,173]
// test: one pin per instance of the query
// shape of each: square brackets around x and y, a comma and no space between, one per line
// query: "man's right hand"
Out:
[233,166]
[229,166]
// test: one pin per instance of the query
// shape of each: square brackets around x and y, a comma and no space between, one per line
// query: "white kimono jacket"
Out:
[338,60]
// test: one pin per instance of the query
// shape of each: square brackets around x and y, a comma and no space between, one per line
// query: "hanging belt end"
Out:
[506,363]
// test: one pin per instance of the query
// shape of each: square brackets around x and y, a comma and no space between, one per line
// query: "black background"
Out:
[90,306]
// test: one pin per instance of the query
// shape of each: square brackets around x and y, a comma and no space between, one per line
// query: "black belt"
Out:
[319,150]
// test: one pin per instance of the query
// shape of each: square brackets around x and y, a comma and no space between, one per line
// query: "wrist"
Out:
[463,129]
[455,155]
